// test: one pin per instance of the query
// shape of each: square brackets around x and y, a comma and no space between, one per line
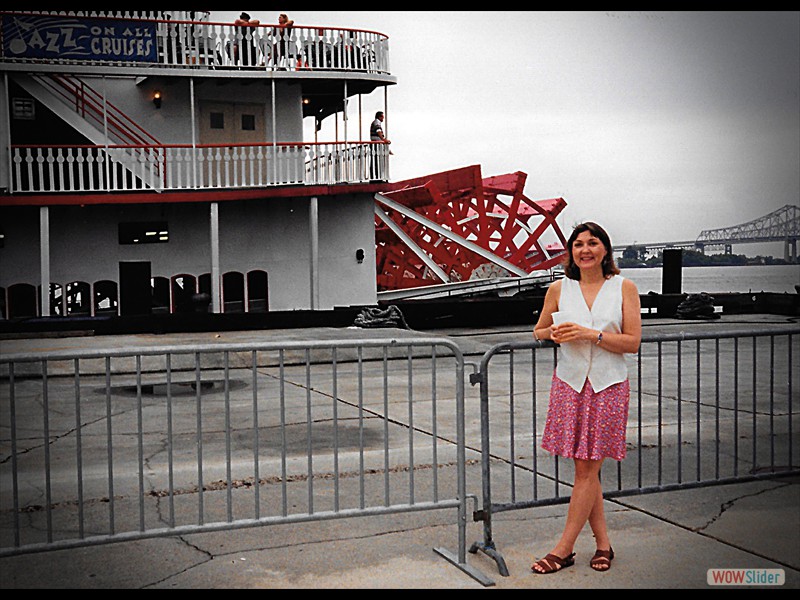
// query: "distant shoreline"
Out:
[700,266]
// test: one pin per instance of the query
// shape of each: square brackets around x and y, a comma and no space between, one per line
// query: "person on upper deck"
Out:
[376,129]
[283,49]
[593,313]
[243,50]
[376,134]
[316,50]
[245,20]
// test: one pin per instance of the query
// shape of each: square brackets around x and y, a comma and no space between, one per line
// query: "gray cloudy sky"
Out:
[655,124]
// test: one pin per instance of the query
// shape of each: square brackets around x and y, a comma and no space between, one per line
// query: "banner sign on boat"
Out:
[68,38]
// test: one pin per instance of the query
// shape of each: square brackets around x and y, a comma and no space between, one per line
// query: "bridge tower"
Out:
[779,225]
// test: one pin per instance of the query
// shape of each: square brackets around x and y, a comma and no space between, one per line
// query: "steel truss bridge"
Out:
[782,225]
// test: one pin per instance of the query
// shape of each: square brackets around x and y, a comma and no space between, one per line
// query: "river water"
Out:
[749,278]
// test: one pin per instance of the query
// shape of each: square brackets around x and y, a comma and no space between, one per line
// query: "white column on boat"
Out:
[386,111]
[274,137]
[344,113]
[194,132]
[215,278]
[360,120]
[5,132]
[345,155]
[107,162]
[363,152]
[44,258]
[313,229]
[386,131]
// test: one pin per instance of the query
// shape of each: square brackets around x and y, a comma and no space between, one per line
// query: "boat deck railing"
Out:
[76,39]
[174,167]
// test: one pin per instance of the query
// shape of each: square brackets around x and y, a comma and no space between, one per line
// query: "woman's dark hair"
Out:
[610,268]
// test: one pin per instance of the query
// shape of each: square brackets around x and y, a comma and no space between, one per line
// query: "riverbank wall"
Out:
[522,309]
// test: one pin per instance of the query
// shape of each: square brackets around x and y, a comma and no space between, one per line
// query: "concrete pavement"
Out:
[663,540]
[666,540]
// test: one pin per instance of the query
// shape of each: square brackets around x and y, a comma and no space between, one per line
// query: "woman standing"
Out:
[593,313]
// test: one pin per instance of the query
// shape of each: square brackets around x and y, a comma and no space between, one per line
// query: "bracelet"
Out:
[599,338]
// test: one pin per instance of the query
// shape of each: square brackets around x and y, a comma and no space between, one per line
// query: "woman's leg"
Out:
[586,502]
[597,521]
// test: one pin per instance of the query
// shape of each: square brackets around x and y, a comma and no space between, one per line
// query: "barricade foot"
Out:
[491,552]
[471,571]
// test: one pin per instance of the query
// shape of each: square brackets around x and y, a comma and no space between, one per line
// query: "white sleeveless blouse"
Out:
[584,359]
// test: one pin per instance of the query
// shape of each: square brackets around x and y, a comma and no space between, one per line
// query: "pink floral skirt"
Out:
[587,425]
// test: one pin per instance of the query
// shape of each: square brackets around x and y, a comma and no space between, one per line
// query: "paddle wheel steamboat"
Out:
[148,169]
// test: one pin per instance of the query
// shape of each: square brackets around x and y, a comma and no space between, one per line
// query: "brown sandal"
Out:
[601,561]
[552,563]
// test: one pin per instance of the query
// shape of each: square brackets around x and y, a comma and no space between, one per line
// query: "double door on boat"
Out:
[231,123]
[228,131]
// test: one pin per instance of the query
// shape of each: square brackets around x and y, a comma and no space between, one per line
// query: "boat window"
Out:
[151,232]
[216,120]
[23,109]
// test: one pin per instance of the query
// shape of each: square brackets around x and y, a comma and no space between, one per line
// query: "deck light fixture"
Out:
[157,99]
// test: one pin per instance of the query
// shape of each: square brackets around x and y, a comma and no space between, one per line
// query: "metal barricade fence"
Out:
[116,445]
[705,409]
[123,444]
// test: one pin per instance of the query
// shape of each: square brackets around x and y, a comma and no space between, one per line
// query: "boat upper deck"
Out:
[151,43]
[64,58]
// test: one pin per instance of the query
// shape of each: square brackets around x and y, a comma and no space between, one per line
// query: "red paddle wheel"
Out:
[455,226]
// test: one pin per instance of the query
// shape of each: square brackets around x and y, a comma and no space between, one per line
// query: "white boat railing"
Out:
[172,167]
[166,42]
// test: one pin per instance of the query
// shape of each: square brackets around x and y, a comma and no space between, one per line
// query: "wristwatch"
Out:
[599,338]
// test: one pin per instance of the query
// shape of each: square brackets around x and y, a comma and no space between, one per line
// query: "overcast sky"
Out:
[657,125]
